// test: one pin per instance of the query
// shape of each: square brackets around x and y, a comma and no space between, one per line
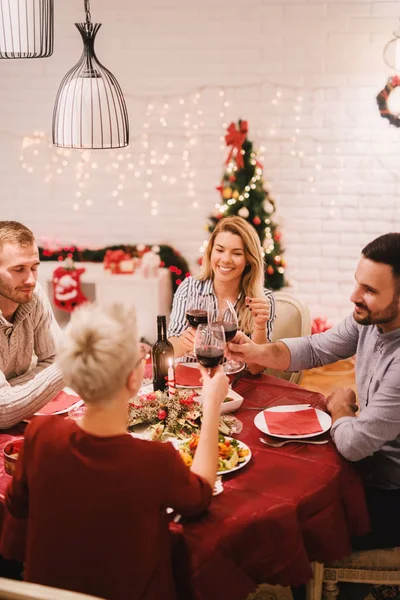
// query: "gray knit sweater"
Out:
[31,338]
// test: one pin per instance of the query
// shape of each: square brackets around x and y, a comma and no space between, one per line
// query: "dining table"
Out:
[287,507]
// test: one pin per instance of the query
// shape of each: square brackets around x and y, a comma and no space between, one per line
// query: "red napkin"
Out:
[185,375]
[300,422]
[61,402]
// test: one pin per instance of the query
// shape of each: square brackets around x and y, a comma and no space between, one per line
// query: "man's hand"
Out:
[187,339]
[342,403]
[215,388]
[243,349]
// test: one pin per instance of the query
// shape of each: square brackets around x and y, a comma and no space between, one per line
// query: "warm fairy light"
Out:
[150,161]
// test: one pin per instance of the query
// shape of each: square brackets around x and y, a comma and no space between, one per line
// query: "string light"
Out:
[164,153]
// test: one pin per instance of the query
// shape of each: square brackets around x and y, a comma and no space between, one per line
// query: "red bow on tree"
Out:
[235,138]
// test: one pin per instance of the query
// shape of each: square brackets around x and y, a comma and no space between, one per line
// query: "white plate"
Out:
[238,466]
[324,420]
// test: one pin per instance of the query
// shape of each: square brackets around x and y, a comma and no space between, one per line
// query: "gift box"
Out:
[119,262]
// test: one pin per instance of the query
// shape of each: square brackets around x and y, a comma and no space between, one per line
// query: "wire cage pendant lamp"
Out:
[391,52]
[90,110]
[26,28]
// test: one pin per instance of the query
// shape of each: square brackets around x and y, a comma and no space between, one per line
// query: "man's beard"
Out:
[14,295]
[389,314]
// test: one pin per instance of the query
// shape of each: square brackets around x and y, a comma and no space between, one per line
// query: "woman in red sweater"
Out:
[95,497]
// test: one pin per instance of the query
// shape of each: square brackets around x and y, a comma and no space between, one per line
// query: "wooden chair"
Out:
[292,320]
[22,590]
[376,567]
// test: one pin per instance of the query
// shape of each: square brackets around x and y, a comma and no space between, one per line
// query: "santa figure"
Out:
[67,287]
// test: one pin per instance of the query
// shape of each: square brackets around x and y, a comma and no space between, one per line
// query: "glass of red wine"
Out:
[209,345]
[196,314]
[224,313]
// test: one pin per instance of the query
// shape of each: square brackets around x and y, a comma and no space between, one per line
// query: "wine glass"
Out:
[209,345]
[224,313]
[196,314]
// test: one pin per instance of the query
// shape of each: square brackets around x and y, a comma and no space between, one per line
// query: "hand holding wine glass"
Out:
[224,314]
[215,388]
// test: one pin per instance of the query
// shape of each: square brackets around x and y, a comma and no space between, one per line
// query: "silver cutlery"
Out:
[260,408]
[280,444]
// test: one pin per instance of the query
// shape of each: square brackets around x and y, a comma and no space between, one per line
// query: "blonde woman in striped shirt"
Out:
[233,269]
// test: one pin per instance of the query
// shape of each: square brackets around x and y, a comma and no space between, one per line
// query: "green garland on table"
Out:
[170,258]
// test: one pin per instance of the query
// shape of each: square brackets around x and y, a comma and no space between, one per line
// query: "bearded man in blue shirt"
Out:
[372,333]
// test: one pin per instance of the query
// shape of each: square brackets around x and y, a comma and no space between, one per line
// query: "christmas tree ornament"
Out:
[26,28]
[268,207]
[227,193]
[90,110]
[382,100]
[67,291]
[249,188]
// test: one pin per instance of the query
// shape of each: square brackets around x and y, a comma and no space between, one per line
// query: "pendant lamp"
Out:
[90,110]
[391,52]
[26,28]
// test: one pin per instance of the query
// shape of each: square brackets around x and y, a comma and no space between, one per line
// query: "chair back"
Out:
[22,590]
[292,320]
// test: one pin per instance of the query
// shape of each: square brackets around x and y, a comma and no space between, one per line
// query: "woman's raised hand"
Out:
[260,309]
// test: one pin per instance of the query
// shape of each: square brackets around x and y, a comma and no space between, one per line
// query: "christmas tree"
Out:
[243,193]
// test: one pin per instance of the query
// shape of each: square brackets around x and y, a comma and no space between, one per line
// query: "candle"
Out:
[171,378]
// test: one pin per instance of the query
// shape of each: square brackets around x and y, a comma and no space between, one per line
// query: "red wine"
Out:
[209,356]
[197,317]
[230,329]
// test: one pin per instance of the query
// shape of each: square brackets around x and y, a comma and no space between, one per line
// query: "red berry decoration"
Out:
[256,220]
[270,270]
[162,414]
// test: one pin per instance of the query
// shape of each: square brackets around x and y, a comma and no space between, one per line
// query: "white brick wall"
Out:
[337,192]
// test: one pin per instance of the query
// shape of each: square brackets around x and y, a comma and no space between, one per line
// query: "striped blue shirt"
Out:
[192,287]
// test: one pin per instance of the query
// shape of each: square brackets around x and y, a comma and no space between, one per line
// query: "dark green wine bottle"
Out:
[161,353]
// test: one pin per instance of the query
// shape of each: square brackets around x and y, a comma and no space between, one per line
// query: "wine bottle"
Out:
[162,353]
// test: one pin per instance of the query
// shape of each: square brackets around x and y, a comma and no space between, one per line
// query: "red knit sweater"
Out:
[96,510]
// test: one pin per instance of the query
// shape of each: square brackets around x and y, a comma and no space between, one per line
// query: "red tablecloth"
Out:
[287,507]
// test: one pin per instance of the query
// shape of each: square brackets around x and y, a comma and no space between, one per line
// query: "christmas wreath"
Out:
[382,100]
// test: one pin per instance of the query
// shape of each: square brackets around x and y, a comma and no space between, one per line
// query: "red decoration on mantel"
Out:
[67,292]
[119,262]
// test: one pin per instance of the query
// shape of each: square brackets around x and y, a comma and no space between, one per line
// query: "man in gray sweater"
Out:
[28,329]
[372,333]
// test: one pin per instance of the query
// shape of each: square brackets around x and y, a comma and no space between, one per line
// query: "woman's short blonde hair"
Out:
[98,350]
[253,275]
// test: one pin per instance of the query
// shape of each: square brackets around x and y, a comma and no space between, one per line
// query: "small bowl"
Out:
[10,453]
[234,403]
